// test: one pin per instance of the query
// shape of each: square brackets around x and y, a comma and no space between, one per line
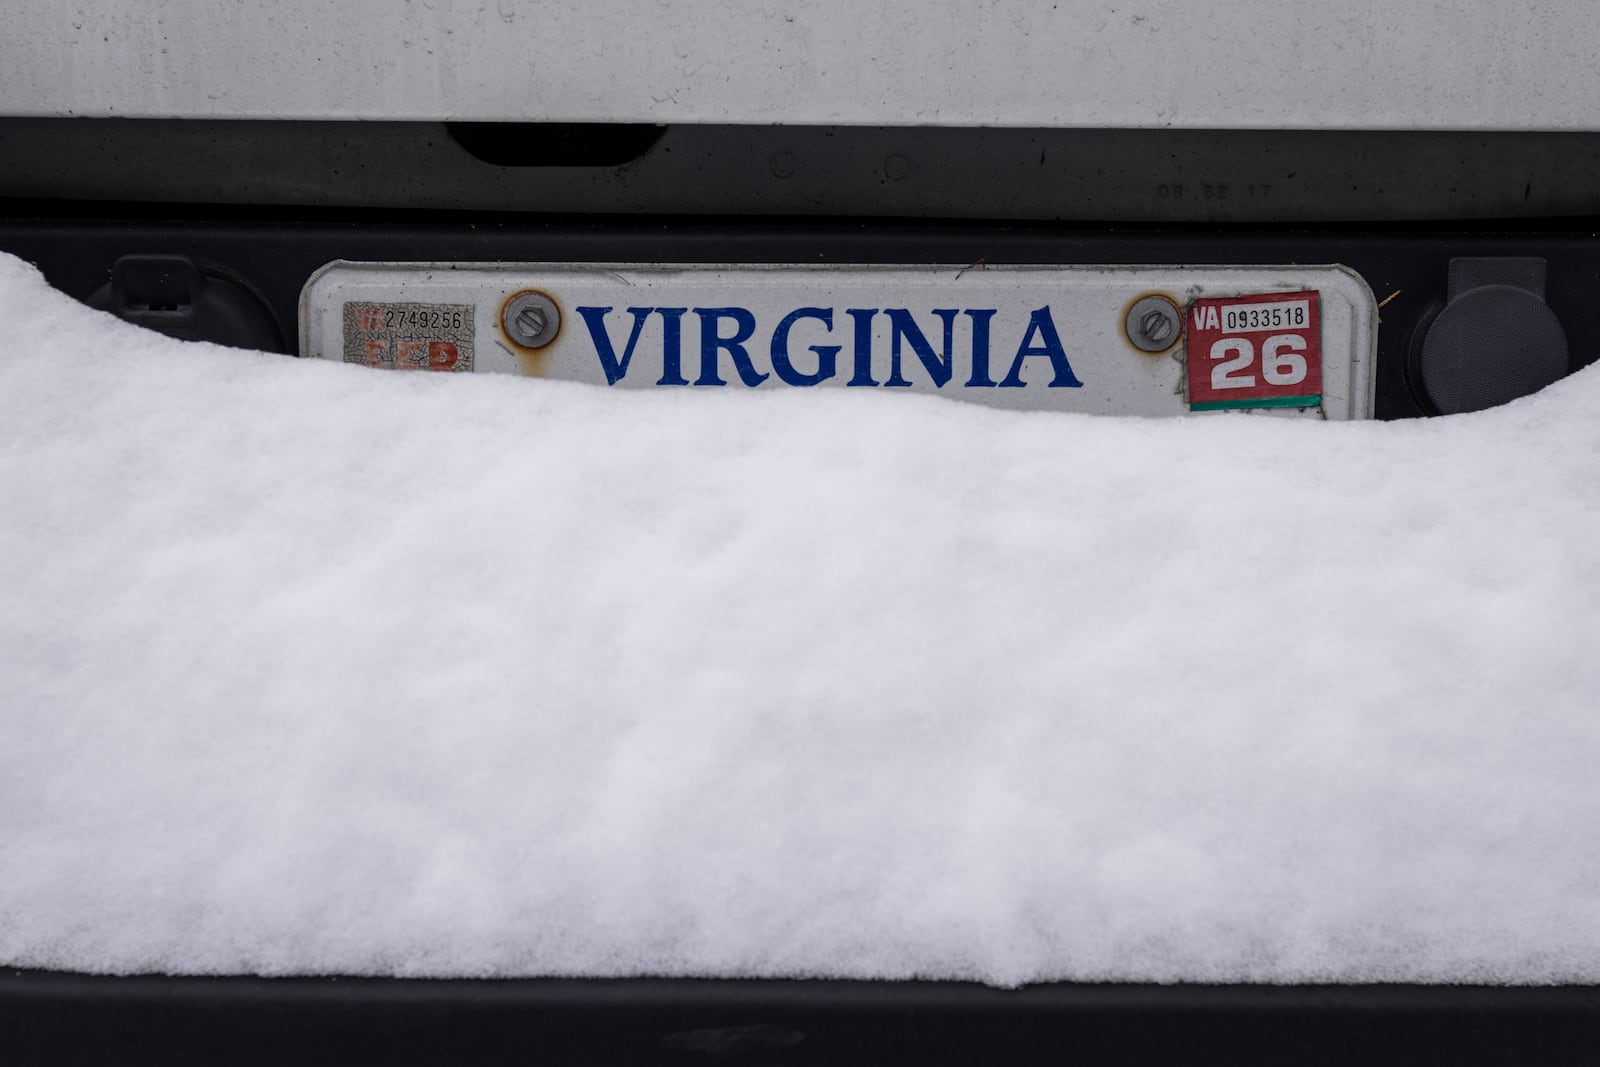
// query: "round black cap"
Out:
[1491,345]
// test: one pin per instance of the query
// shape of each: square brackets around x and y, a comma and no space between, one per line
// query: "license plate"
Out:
[1287,340]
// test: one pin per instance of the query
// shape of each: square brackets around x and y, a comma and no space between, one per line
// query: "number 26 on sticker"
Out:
[1260,350]
[1282,361]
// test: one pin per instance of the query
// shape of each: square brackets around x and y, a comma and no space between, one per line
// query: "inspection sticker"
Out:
[1259,351]
[408,336]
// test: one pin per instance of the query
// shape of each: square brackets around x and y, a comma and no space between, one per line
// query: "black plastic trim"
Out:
[60,1018]
[996,174]
[275,251]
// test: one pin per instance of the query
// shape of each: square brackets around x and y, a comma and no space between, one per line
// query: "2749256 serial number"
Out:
[421,319]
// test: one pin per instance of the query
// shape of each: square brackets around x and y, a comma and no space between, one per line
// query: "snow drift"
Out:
[307,668]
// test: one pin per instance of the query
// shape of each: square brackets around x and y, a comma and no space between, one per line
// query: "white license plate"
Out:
[1293,340]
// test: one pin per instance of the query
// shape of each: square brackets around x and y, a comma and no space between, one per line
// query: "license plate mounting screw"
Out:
[531,319]
[1153,323]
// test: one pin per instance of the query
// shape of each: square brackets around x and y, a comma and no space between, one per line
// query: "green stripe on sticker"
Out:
[1259,402]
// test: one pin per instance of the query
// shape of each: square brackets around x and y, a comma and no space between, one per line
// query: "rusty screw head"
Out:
[531,319]
[1153,324]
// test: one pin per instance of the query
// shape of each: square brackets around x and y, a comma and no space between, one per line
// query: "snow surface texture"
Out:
[313,668]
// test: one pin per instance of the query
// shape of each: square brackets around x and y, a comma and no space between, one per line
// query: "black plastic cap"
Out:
[1496,339]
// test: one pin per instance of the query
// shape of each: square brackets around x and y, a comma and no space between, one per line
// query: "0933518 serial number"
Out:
[1274,316]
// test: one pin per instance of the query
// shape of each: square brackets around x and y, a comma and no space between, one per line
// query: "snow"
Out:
[307,668]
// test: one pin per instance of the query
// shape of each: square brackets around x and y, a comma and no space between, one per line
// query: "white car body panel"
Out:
[1239,64]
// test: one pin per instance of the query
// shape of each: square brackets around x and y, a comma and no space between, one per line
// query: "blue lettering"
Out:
[615,369]
[1039,339]
[863,353]
[980,348]
[826,354]
[672,346]
[1049,346]
[902,325]
[711,342]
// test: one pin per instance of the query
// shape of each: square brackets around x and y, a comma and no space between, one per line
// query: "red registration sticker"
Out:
[1262,351]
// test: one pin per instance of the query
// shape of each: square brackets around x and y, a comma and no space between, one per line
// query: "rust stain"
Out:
[533,361]
[1122,323]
